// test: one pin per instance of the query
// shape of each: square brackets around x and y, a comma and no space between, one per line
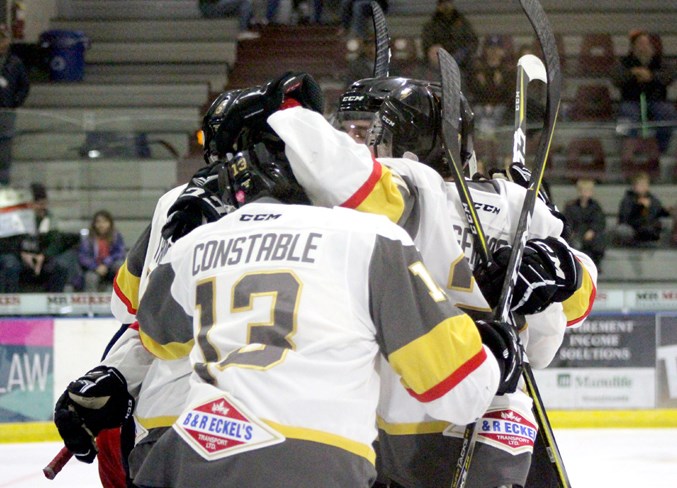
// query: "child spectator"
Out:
[587,221]
[639,214]
[102,252]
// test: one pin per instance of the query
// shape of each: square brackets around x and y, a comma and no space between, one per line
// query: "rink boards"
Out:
[619,369]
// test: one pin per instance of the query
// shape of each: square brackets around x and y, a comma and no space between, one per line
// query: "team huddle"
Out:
[306,311]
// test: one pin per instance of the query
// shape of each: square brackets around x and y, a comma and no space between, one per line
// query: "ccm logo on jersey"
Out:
[485,207]
[259,217]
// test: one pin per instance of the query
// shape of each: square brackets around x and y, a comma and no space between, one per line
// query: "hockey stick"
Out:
[451,115]
[529,68]
[56,465]
[546,38]
[468,155]
[382,39]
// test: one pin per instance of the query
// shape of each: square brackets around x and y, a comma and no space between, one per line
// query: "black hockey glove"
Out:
[521,175]
[96,401]
[253,106]
[549,272]
[502,339]
[199,203]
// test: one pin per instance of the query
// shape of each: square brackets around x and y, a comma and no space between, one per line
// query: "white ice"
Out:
[594,458]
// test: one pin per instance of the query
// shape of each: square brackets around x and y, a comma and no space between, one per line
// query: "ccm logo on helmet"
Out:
[259,217]
[353,98]
[387,121]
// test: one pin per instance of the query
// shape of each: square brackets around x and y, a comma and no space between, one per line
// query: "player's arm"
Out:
[125,297]
[446,361]
[335,170]
[165,326]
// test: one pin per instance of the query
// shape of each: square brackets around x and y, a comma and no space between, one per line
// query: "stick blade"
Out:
[382,40]
[533,67]
[451,83]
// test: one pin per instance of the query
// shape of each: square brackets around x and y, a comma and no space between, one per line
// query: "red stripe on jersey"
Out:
[365,190]
[134,326]
[118,292]
[22,206]
[452,380]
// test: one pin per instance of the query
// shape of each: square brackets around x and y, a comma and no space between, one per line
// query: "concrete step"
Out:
[49,146]
[152,30]
[214,74]
[134,119]
[515,22]
[85,178]
[126,52]
[47,95]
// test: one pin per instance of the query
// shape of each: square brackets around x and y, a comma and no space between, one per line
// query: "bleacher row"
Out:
[153,66]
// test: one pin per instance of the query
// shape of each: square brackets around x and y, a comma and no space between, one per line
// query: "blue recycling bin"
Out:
[66,54]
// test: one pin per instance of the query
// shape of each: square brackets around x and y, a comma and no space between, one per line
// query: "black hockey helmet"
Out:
[359,103]
[261,171]
[410,120]
[214,149]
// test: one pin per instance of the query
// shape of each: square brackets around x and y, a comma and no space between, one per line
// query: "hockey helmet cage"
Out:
[410,120]
[359,103]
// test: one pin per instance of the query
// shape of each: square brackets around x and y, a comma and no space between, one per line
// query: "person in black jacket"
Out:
[587,221]
[14,86]
[639,214]
[643,80]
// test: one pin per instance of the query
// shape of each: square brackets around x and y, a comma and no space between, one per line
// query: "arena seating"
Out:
[154,65]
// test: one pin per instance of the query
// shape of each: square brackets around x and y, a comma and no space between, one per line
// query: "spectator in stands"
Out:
[492,84]
[14,86]
[587,221]
[48,256]
[16,221]
[450,29]
[355,15]
[639,214]
[102,253]
[643,80]
[228,8]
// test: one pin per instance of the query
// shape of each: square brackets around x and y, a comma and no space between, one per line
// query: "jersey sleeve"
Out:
[579,305]
[431,344]
[334,169]
[125,297]
[165,324]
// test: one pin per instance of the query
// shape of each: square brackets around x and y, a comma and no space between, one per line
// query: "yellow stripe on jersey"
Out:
[127,288]
[413,428]
[304,434]
[577,307]
[169,351]
[445,355]
[379,195]
[156,422]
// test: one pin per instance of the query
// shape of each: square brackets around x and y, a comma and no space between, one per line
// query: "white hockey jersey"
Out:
[334,170]
[158,386]
[286,308]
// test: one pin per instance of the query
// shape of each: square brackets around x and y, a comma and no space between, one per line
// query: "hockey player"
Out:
[158,386]
[409,119]
[283,337]
[378,186]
